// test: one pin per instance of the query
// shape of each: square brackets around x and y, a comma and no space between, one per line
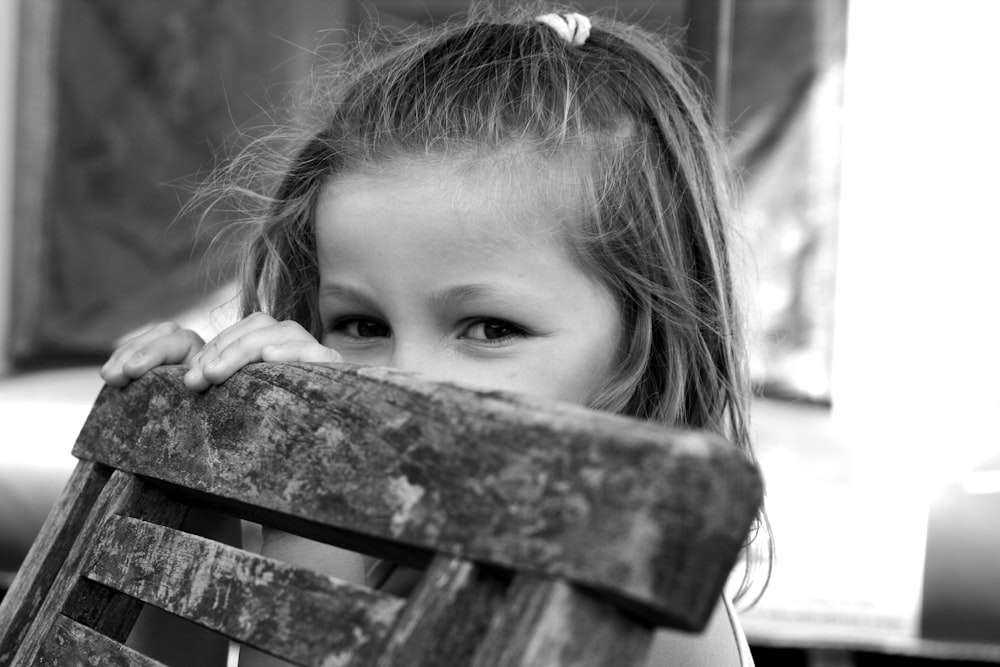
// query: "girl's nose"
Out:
[438,363]
[435,363]
[419,358]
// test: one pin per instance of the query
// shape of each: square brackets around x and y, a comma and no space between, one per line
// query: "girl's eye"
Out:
[361,328]
[492,331]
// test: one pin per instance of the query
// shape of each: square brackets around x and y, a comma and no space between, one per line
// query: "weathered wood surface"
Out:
[66,518]
[283,610]
[123,494]
[72,644]
[103,609]
[651,516]
[547,623]
[447,616]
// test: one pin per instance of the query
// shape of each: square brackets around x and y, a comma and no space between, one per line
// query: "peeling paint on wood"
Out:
[105,610]
[21,603]
[650,516]
[72,643]
[123,494]
[547,623]
[447,616]
[277,608]
[561,535]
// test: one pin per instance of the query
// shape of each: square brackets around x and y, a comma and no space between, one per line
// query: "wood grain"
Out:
[122,494]
[70,644]
[447,616]
[650,516]
[106,610]
[283,610]
[547,623]
[21,604]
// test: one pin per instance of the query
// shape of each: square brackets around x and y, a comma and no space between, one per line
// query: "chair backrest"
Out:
[544,528]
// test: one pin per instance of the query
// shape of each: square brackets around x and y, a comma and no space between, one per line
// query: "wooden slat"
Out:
[653,517]
[70,644]
[21,604]
[122,494]
[104,609]
[548,622]
[283,610]
[447,616]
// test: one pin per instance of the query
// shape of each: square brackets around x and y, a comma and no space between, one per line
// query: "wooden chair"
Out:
[550,534]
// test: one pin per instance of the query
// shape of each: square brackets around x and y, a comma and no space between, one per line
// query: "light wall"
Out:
[916,386]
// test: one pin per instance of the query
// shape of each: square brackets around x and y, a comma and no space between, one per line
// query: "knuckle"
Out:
[258,317]
[288,327]
[193,338]
[240,348]
[233,349]
[166,328]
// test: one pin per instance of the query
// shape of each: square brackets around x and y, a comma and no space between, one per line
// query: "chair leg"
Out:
[79,599]
[21,602]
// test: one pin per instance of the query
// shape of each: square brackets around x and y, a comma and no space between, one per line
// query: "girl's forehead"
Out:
[418,224]
[507,191]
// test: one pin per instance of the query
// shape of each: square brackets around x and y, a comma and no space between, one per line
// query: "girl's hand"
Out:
[165,343]
[257,337]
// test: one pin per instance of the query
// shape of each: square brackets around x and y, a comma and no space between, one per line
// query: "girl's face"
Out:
[456,271]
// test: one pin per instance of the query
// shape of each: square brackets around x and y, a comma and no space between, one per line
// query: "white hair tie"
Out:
[573,28]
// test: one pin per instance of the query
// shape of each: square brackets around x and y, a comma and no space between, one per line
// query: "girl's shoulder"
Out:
[722,644]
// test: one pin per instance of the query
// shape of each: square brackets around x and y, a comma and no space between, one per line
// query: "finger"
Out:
[247,349]
[165,343]
[232,333]
[310,351]
[195,377]
[177,348]
[127,348]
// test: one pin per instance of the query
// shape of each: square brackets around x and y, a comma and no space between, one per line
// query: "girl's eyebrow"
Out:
[448,296]
[458,294]
[344,293]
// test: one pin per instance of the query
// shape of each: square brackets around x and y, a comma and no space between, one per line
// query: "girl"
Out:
[531,204]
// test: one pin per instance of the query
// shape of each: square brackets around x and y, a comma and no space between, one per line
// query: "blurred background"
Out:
[865,135]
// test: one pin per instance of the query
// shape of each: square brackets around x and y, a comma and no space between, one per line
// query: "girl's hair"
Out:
[654,223]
